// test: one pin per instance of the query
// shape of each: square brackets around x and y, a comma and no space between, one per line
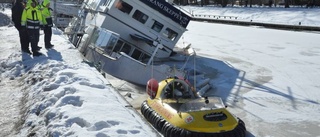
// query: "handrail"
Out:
[252,23]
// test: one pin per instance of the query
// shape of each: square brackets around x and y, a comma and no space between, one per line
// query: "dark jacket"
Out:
[17,10]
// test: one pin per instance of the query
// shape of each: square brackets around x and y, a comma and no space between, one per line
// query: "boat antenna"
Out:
[157,44]
[194,54]
[194,70]
[152,68]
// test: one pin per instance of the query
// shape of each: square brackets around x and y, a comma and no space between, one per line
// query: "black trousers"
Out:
[24,39]
[34,35]
[47,36]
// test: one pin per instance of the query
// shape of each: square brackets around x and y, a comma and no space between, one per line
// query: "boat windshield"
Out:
[202,104]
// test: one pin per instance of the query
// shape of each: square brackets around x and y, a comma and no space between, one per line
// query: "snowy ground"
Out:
[269,78]
[59,95]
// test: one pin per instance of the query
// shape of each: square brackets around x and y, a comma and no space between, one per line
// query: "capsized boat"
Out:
[176,110]
[129,39]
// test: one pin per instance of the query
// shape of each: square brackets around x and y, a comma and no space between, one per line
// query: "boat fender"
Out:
[152,88]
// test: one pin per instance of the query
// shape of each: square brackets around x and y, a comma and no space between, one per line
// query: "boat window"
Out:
[124,7]
[118,46]
[139,55]
[144,57]
[157,26]
[94,37]
[139,16]
[111,43]
[105,2]
[201,104]
[108,49]
[136,54]
[126,48]
[170,34]
[64,16]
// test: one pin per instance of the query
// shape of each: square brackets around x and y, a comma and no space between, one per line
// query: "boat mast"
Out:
[158,46]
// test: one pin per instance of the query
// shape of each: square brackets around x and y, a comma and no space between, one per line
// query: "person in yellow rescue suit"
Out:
[30,1]
[47,22]
[32,20]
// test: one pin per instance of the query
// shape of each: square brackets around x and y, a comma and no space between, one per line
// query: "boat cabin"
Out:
[124,37]
[139,23]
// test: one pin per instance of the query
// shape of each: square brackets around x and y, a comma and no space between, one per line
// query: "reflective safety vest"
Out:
[46,15]
[31,18]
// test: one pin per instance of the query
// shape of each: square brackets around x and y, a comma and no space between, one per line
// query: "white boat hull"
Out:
[127,68]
